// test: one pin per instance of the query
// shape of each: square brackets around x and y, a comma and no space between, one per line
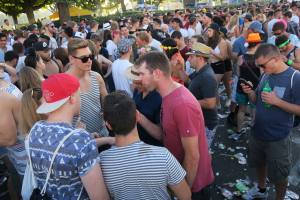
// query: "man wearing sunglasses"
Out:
[279,29]
[270,143]
[50,31]
[92,86]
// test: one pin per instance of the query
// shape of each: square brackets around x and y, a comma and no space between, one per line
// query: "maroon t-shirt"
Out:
[183,53]
[182,117]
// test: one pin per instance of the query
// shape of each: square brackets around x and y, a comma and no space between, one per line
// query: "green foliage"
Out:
[16,7]
[87,4]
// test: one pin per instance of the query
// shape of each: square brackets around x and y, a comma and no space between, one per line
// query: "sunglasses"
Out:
[264,65]
[84,59]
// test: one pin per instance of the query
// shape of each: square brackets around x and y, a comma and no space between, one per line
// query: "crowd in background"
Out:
[128,109]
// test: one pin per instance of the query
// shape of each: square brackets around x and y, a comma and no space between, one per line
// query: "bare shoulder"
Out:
[98,77]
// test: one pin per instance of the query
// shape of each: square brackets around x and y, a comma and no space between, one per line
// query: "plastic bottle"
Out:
[267,88]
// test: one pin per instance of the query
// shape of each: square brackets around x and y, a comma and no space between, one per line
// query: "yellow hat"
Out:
[200,49]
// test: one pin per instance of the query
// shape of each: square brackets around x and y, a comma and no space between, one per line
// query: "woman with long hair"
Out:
[29,78]
[30,101]
[219,52]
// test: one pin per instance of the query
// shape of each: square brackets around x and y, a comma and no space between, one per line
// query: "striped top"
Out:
[90,110]
[140,171]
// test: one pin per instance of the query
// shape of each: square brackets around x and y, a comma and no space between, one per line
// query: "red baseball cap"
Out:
[57,90]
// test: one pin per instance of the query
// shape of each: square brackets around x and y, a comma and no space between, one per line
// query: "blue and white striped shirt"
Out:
[140,171]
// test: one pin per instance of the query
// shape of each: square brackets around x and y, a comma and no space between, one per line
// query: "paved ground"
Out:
[227,168]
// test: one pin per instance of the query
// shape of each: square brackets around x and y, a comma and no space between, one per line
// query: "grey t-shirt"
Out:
[273,123]
[204,85]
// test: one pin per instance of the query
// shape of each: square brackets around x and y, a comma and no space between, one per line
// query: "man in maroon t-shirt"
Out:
[183,129]
[183,48]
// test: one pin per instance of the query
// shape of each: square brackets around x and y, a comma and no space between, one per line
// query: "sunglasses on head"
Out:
[84,59]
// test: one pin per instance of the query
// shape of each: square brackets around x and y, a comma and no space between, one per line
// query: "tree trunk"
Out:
[63,11]
[123,6]
[15,18]
[30,15]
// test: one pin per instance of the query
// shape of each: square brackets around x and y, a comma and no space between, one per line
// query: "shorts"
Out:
[241,98]
[218,67]
[228,65]
[276,155]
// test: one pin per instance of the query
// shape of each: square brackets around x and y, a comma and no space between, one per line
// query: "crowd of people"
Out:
[128,109]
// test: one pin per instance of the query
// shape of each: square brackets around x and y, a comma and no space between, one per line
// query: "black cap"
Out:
[209,15]
[41,46]
[215,26]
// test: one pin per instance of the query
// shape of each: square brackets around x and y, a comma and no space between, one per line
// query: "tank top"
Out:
[90,110]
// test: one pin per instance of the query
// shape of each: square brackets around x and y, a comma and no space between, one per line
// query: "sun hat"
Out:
[132,73]
[57,90]
[200,49]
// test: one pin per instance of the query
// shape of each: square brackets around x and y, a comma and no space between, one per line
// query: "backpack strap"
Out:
[291,52]
[43,191]
[292,78]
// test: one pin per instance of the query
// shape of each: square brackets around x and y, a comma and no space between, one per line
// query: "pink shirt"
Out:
[181,116]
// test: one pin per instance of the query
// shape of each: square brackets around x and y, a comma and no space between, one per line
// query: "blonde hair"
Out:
[29,78]
[233,21]
[29,103]
[75,44]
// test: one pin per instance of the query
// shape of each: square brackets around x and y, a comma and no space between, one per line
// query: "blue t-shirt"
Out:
[76,157]
[150,107]
[238,46]
[273,124]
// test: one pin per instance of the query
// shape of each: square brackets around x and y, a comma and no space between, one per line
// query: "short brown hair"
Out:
[155,60]
[75,44]
[143,35]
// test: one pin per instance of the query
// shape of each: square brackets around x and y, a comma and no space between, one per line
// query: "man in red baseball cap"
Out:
[76,173]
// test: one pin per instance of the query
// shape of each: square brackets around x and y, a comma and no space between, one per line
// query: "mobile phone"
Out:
[245,82]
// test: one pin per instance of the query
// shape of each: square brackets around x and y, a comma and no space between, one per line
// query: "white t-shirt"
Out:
[191,32]
[184,33]
[156,44]
[270,26]
[121,82]
[295,19]
[20,63]
[65,44]
[198,28]
[111,47]
[53,44]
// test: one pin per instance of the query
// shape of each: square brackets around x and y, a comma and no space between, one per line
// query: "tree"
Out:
[23,6]
[63,7]
[11,9]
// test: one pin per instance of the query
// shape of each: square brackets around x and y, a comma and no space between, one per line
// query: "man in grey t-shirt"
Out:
[203,86]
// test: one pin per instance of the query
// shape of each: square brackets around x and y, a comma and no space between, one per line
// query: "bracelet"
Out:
[290,62]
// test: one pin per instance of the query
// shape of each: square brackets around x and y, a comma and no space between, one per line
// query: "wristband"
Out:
[290,62]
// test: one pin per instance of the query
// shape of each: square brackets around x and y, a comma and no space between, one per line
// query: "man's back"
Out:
[140,171]
[76,158]
[118,72]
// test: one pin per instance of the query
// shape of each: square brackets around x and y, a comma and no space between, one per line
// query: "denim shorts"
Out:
[3,152]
